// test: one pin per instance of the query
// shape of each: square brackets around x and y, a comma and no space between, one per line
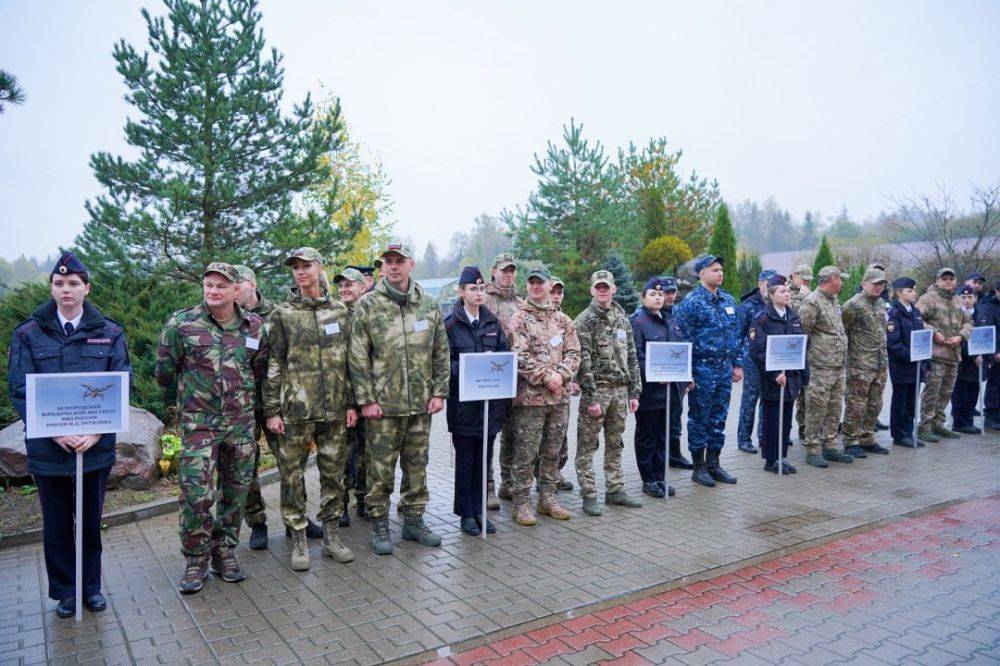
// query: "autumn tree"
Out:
[661,256]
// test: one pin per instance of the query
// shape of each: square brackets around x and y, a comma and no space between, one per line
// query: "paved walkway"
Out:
[422,600]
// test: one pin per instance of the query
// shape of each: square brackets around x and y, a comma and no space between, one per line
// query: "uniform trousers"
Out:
[964,398]
[330,438]
[650,439]
[405,439]
[254,510]
[469,474]
[904,401]
[769,445]
[938,385]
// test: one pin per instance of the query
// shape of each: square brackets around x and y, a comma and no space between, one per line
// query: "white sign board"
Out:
[983,341]
[81,403]
[785,352]
[487,376]
[921,343]
[668,362]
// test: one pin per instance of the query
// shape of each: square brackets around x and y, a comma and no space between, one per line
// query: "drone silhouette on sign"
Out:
[676,353]
[794,344]
[497,368]
[95,391]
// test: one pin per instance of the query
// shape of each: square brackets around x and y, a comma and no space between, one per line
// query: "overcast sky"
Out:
[820,104]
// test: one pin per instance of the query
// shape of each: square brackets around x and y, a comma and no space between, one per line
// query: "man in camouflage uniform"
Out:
[399,365]
[610,385]
[548,357]
[827,354]
[502,300]
[307,399]
[865,319]
[800,284]
[942,311]
[209,359]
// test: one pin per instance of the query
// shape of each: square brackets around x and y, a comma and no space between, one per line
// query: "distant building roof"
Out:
[903,254]
[434,286]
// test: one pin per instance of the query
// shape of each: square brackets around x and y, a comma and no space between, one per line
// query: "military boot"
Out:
[492,501]
[225,566]
[621,498]
[927,435]
[345,515]
[194,575]
[564,483]
[523,515]
[592,507]
[816,460]
[258,537]
[300,551]
[715,469]
[381,541]
[333,546]
[414,529]
[944,431]
[836,455]
[548,506]
[700,474]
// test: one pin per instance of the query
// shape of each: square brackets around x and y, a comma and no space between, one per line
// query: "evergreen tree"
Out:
[824,257]
[748,268]
[10,91]
[219,166]
[626,295]
[723,245]
[810,230]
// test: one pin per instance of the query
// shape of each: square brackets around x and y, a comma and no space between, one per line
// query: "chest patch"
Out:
[98,341]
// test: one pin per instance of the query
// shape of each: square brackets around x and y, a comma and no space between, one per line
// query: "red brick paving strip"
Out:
[744,596]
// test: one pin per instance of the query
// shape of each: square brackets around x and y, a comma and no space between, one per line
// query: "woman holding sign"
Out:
[68,334]
[904,318]
[776,319]
[471,328]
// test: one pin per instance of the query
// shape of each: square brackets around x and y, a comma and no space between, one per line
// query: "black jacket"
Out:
[968,371]
[897,339]
[766,323]
[648,327]
[39,345]
[466,418]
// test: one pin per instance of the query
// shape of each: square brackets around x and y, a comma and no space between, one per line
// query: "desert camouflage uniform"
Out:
[799,297]
[608,376]
[399,359]
[827,354]
[943,312]
[503,302]
[864,321]
[254,509]
[214,371]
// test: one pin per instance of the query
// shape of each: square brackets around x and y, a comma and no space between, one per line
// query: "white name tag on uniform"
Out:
[730,310]
[621,335]
[555,340]
[332,328]
[253,343]
[420,325]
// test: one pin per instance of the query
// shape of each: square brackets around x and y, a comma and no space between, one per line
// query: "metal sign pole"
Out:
[666,448]
[486,439]
[781,429]
[79,535]
[916,412]
[982,390]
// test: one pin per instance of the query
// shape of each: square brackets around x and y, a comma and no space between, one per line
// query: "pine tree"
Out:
[824,257]
[748,268]
[220,168]
[723,245]
[625,296]
[10,91]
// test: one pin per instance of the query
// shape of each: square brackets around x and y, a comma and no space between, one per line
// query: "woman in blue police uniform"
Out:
[68,334]
[777,318]
[903,319]
[472,328]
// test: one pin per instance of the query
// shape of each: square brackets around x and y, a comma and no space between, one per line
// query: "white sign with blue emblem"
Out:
[80,403]
[785,352]
[668,362]
[983,341]
[921,344]
[487,376]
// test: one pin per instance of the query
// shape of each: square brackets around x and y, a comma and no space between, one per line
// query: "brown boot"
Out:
[523,514]
[548,506]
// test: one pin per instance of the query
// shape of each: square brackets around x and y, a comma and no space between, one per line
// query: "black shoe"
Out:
[906,442]
[969,430]
[992,425]
[700,474]
[564,484]
[313,531]
[880,426]
[855,451]
[680,462]
[670,491]
[715,469]
[360,508]
[490,527]
[976,412]
[747,447]
[875,448]
[66,608]
[470,527]
[95,603]
[258,537]
[652,489]
[788,468]
[345,518]
[771,466]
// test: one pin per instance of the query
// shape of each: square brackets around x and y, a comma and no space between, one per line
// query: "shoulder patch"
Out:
[753,333]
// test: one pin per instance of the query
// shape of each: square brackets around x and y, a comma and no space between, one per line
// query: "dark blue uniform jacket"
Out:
[769,322]
[649,327]
[466,418]
[968,371]
[897,339]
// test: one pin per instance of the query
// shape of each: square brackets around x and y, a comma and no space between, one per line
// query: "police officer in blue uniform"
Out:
[965,395]
[903,319]
[752,304]
[68,334]
[707,318]
[990,303]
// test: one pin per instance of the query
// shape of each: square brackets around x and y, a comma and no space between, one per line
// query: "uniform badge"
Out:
[890,327]
[753,333]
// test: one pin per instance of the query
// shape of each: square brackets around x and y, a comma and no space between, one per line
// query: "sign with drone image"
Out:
[487,376]
[80,403]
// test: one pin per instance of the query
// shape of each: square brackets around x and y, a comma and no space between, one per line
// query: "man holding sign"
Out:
[68,334]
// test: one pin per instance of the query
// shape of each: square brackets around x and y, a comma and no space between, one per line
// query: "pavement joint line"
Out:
[659,588]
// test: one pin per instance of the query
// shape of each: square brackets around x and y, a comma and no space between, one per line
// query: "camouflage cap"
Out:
[804,271]
[245,272]
[504,260]
[945,271]
[541,272]
[350,273]
[306,254]
[397,247]
[703,261]
[602,277]
[874,275]
[222,268]
[828,272]
[556,281]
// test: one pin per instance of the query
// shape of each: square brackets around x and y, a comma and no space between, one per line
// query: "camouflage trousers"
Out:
[213,459]
[824,399]
[331,455]
[938,385]
[406,439]
[540,430]
[614,406]
[355,465]
[800,413]
[254,509]
[563,459]
[863,404]
[506,455]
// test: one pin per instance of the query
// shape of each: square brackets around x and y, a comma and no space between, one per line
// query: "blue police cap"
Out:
[653,283]
[669,283]
[68,264]
[766,274]
[975,275]
[904,283]
[965,289]
[776,280]
[471,275]
[706,260]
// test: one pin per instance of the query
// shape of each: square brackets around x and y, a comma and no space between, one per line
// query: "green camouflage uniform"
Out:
[545,340]
[399,359]
[942,311]
[213,371]
[307,386]
[503,303]
[798,297]
[609,377]
[827,353]
[864,321]
[254,509]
